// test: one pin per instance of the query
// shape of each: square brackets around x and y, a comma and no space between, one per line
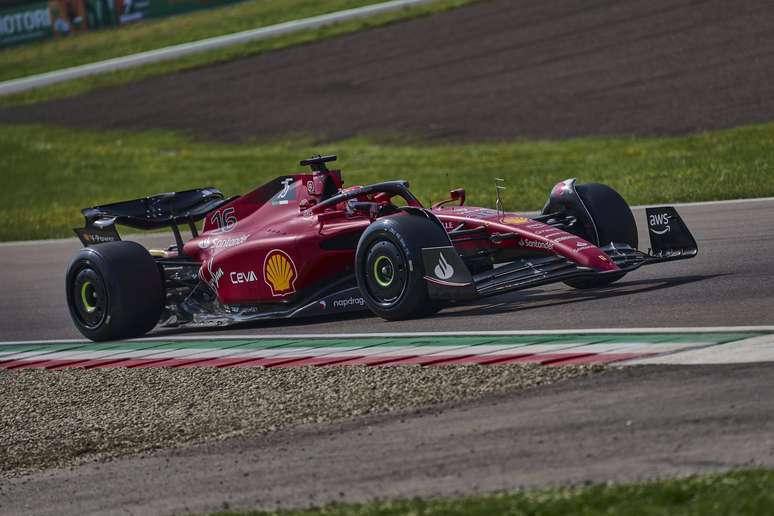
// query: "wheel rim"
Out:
[386,273]
[89,298]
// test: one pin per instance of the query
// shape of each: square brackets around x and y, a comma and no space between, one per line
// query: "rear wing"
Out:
[167,210]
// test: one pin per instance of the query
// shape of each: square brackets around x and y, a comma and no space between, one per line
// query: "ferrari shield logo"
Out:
[279,273]
[515,220]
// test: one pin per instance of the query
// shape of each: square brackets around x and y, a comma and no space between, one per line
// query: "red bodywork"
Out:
[275,244]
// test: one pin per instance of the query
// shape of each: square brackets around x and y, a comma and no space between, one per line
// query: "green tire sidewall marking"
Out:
[84,298]
[377,275]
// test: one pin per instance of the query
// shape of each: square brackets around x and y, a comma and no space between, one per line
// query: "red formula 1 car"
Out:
[302,245]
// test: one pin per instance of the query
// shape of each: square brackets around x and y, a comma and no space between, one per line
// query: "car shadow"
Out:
[264,324]
[509,302]
[534,299]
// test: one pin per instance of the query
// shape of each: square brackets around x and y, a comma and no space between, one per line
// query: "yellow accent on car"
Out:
[279,272]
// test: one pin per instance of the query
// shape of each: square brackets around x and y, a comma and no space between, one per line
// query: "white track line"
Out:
[752,350]
[504,333]
[73,240]
[705,203]
[195,47]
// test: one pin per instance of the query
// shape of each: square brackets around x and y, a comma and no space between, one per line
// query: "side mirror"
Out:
[456,195]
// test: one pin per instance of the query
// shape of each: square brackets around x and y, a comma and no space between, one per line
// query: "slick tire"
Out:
[114,291]
[389,268]
[614,222]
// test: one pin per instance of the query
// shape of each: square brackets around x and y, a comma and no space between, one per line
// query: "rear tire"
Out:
[614,222]
[114,291]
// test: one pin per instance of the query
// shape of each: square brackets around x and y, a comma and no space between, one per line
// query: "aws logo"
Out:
[280,273]
[659,220]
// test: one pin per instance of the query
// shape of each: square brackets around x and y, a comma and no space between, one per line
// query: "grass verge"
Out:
[88,47]
[743,492]
[96,46]
[51,173]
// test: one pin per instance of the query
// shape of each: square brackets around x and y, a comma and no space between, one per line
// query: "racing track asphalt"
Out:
[730,283]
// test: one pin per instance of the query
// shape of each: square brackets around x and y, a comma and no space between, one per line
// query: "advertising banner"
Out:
[136,10]
[22,21]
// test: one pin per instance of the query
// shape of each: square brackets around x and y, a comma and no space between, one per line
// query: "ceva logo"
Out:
[242,277]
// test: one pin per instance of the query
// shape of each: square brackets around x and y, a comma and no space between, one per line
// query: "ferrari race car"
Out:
[303,245]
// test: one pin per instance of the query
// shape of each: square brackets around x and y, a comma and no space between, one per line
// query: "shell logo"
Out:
[279,272]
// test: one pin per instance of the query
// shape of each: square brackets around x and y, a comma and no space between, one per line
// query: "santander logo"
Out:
[443,270]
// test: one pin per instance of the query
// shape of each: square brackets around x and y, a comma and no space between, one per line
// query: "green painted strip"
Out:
[43,350]
[362,342]
[199,344]
[118,347]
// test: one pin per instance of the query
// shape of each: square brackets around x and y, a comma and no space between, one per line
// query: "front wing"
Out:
[448,277]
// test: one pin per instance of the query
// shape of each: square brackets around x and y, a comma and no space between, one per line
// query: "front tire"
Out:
[114,291]
[614,222]
[389,268]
